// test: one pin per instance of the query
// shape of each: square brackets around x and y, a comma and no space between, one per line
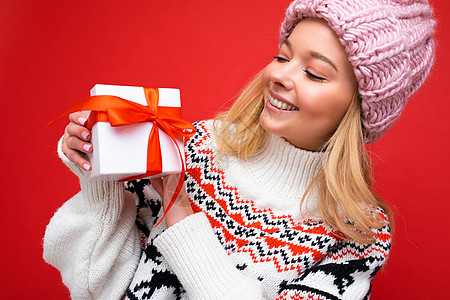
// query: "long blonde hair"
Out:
[343,185]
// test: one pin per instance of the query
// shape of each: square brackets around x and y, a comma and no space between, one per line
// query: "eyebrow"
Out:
[323,58]
[317,55]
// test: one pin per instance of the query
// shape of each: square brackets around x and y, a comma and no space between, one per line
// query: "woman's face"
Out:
[308,87]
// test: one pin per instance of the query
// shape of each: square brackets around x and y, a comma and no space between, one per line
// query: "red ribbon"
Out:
[120,112]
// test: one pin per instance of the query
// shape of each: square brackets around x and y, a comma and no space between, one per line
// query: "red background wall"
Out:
[53,52]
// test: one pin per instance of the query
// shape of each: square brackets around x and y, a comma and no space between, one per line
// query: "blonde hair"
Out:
[343,185]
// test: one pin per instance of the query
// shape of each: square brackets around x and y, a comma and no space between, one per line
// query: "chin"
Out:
[270,126]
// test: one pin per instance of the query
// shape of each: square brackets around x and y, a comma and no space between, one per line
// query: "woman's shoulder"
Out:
[383,234]
[380,245]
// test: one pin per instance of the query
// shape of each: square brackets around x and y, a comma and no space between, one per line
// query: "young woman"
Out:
[277,202]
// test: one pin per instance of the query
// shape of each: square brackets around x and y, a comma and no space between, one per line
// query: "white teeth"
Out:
[281,105]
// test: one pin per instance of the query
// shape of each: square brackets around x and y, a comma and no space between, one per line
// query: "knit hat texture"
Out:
[389,44]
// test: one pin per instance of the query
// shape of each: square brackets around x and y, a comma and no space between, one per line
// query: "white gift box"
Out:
[121,152]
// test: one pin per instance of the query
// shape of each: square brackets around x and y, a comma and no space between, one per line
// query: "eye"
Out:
[280,59]
[313,77]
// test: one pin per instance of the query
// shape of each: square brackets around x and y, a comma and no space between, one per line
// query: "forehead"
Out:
[315,35]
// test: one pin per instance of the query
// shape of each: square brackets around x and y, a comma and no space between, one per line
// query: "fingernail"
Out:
[84,134]
[87,147]
[81,121]
[86,167]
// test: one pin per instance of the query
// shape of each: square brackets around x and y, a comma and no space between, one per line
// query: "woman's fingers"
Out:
[78,118]
[76,136]
[75,143]
[78,131]
[76,140]
[76,157]
[77,127]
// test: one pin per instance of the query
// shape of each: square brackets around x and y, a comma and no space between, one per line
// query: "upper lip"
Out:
[279,98]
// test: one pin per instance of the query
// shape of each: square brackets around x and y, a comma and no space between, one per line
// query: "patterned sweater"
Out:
[248,239]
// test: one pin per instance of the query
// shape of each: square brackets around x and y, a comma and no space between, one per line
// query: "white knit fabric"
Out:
[192,250]
[92,239]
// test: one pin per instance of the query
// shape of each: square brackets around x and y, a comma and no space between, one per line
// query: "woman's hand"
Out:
[166,187]
[76,140]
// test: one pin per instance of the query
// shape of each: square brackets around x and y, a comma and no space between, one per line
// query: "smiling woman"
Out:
[277,201]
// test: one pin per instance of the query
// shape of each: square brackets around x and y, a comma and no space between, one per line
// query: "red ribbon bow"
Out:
[120,112]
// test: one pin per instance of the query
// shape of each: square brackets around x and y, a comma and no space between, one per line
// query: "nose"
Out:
[283,76]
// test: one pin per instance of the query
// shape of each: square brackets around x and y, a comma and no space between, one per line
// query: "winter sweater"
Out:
[247,239]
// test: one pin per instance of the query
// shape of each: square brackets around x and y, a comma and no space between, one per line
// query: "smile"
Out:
[280,104]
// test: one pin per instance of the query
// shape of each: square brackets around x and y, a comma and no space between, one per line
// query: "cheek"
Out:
[327,104]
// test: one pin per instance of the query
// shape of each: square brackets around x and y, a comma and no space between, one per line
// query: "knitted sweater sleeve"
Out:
[202,265]
[92,239]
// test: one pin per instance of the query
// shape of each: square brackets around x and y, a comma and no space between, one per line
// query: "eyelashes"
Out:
[311,75]
[308,73]
[280,59]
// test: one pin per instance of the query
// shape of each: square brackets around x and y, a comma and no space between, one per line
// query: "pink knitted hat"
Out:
[388,42]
